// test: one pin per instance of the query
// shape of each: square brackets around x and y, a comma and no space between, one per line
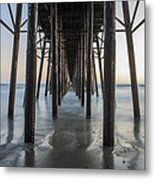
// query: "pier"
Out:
[74,35]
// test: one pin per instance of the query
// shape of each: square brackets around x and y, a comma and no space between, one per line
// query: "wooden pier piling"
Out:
[83,68]
[131,55]
[95,76]
[15,53]
[48,71]
[90,16]
[31,73]
[109,75]
[41,68]
[100,66]
[54,42]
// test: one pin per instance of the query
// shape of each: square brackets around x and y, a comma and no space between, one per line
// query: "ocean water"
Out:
[71,140]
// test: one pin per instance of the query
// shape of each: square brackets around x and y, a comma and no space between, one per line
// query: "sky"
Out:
[122,65]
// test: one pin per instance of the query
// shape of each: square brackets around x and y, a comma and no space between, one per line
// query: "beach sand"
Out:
[72,141]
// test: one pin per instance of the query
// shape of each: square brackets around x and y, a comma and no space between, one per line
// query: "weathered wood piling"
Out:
[15,54]
[90,23]
[31,58]
[48,71]
[131,55]
[54,42]
[41,68]
[109,76]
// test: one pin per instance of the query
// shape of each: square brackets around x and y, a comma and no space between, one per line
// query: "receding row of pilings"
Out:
[57,70]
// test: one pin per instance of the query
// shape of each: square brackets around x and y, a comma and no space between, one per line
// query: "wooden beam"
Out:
[6,26]
[11,15]
[135,12]
[24,22]
[118,20]
[139,24]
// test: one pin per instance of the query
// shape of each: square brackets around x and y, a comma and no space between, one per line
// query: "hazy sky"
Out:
[122,66]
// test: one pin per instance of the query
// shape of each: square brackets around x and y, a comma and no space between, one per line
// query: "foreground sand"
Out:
[72,141]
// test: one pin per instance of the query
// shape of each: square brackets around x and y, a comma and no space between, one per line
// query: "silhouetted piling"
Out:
[15,53]
[83,67]
[54,41]
[41,68]
[95,76]
[31,73]
[90,17]
[48,71]
[100,65]
[131,55]
[109,75]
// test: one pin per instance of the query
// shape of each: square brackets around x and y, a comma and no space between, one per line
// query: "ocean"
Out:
[72,141]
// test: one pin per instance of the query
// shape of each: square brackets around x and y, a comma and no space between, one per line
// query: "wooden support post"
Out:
[50,84]
[95,76]
[31,73]
[77,74]
[131,55]
[100,65]
[62,72]
[41,68]
[90,16]
[92,88]
[79,69]
[83,69]
[54,41]
[109,75]
[59,65]
[15,53]
[48,71]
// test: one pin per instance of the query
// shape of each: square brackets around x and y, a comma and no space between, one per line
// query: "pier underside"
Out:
[78,42]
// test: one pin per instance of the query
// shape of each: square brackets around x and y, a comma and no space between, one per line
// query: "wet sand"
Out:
[72,141]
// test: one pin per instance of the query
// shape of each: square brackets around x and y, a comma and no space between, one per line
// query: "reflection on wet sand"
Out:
[10,131]
[71,136]
[30,157]
[136,130]
[108,159]
[69,142]
[72,141]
